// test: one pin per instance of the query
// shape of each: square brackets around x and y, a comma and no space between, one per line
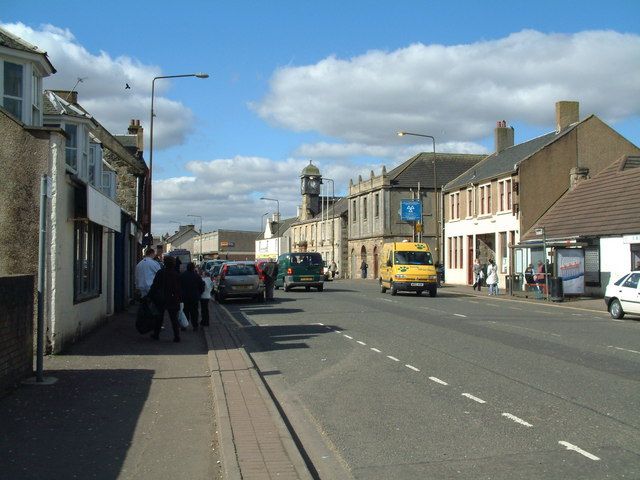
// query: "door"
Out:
[470,279]
[630,294]
[375,262]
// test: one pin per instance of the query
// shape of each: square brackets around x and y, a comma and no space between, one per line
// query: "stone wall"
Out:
[16,329]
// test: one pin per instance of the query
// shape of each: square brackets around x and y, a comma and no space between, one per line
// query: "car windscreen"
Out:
[215,270]
[620,280]
[236,270]
[310,259]
[412,258]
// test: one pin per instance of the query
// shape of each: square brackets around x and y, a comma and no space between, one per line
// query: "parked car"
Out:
[623,295]
[302,269]
[238,279]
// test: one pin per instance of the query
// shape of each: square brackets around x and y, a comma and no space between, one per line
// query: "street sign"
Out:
[227,244]
[410,210]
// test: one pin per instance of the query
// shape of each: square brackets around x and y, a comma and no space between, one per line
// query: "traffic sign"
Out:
[410,210]
[226,243]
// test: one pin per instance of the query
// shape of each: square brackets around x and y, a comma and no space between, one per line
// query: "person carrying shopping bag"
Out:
[165,295]
[492,277]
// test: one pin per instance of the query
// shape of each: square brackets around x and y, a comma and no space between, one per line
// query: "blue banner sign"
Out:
[410,210]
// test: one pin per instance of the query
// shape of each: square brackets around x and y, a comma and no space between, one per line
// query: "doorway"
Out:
[363,258]
[470,259]
[375,261]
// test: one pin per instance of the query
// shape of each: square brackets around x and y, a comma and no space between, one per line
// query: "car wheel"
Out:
[307,288]
[394,290]
[320,288]
[418,292]
[615,309]
[382,289]
[433,292]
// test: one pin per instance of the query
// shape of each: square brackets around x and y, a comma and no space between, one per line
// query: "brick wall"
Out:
[16,329]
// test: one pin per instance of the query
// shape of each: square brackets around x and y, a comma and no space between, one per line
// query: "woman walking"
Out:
[165,294]
[205,298]
[477,275]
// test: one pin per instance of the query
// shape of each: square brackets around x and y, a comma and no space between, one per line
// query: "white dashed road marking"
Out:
[437,380]
[460,315]
[412,368]
[516,419]
[624,349]
[570,446]
[347,336]
[361,343]
[474,398]
[376,350]
[393,358]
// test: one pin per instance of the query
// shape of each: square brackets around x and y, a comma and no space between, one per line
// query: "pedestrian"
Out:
[363,268]
[191,288]
[478,274]
[333,268]
[492,277]
[146,271]
[205,298]
[539,276]
[165,295]
[270,271]
[528,278]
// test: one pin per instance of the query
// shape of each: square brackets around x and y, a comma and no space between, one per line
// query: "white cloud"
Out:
[327,150]
[458,92]
[102,91]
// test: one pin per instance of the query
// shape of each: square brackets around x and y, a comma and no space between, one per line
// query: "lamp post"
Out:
[435,188]
[278,215]
[333,196]
[153,89]
[200,217]
[541,231]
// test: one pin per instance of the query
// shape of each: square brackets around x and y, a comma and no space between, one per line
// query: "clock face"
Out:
[313,183]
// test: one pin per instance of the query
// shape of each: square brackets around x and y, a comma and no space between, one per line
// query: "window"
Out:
[364,208]
[454,205]
[449,241]
[485,199]
[13,88]
[455,252]
[94,169]
[469,202]
[71,148]
[632,281]
[87,262]
[376,205]
[36,100]
[504,188]
[353,211]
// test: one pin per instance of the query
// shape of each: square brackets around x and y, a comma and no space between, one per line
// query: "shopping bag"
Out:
[145,319]
[182,318]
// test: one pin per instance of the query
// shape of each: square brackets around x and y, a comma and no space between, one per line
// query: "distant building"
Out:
[226,244]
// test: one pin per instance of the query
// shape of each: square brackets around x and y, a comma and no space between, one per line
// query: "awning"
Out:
[102,210]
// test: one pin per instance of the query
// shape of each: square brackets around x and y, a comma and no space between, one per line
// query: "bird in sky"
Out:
[126,86]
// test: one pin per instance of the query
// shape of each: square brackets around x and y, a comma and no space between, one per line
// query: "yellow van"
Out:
[407,266]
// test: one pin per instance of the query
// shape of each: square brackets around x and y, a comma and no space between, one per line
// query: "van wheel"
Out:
[383,289]
[320,288]
[433,292]
[418,292]
[307,288]
[615,309]
[394,290]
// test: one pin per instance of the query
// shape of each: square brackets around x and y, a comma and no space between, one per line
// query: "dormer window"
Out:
[12,88]
[71,148]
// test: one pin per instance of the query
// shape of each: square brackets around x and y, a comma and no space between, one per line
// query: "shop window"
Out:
[87,262]
[13,91]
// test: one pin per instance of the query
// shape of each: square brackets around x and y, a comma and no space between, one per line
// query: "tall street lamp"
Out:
[435,188]
[153,89]
[278,215]
[200,217]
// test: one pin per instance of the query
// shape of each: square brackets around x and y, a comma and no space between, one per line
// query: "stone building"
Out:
[375,202]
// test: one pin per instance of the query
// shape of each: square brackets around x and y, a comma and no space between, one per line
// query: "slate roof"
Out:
[54,104]
[607,204]
[419,168]
[284,226]
[506,161]
[335,210]
[10,40]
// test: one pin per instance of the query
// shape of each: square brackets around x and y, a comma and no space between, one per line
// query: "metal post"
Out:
[42,256]
[544,262]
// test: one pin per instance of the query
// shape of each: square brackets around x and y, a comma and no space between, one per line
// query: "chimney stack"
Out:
[567,113]
[503,136]
[136,129]
[576,175]
[69,96]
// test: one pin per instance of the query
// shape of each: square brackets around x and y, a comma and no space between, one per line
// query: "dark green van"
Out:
[302,269]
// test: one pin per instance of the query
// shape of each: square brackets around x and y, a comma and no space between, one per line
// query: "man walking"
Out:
[191,288]
[270,271]
[146,271]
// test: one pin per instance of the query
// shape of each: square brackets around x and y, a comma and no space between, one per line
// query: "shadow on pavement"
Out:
[80,427]
[283,337]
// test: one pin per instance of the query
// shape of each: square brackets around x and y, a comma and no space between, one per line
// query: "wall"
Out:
[16,329]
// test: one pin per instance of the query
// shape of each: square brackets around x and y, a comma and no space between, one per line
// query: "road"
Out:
[457,386]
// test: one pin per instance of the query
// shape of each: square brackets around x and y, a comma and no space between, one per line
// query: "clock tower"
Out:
[310,180]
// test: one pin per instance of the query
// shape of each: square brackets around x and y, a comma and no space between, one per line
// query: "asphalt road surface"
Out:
[456,386]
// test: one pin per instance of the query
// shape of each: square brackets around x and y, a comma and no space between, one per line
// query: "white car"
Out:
[623,296]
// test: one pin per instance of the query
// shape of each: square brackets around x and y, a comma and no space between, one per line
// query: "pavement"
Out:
[125,406]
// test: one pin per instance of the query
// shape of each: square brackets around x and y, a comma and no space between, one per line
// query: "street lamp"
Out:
[435,188]
[333,196]
[153,89]
[200,217]
[277,215]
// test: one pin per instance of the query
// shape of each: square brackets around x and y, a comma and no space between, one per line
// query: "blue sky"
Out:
[330,81]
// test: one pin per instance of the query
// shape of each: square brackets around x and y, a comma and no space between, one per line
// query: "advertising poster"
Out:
[571,270]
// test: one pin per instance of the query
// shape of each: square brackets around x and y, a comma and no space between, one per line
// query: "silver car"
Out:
[239,279]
